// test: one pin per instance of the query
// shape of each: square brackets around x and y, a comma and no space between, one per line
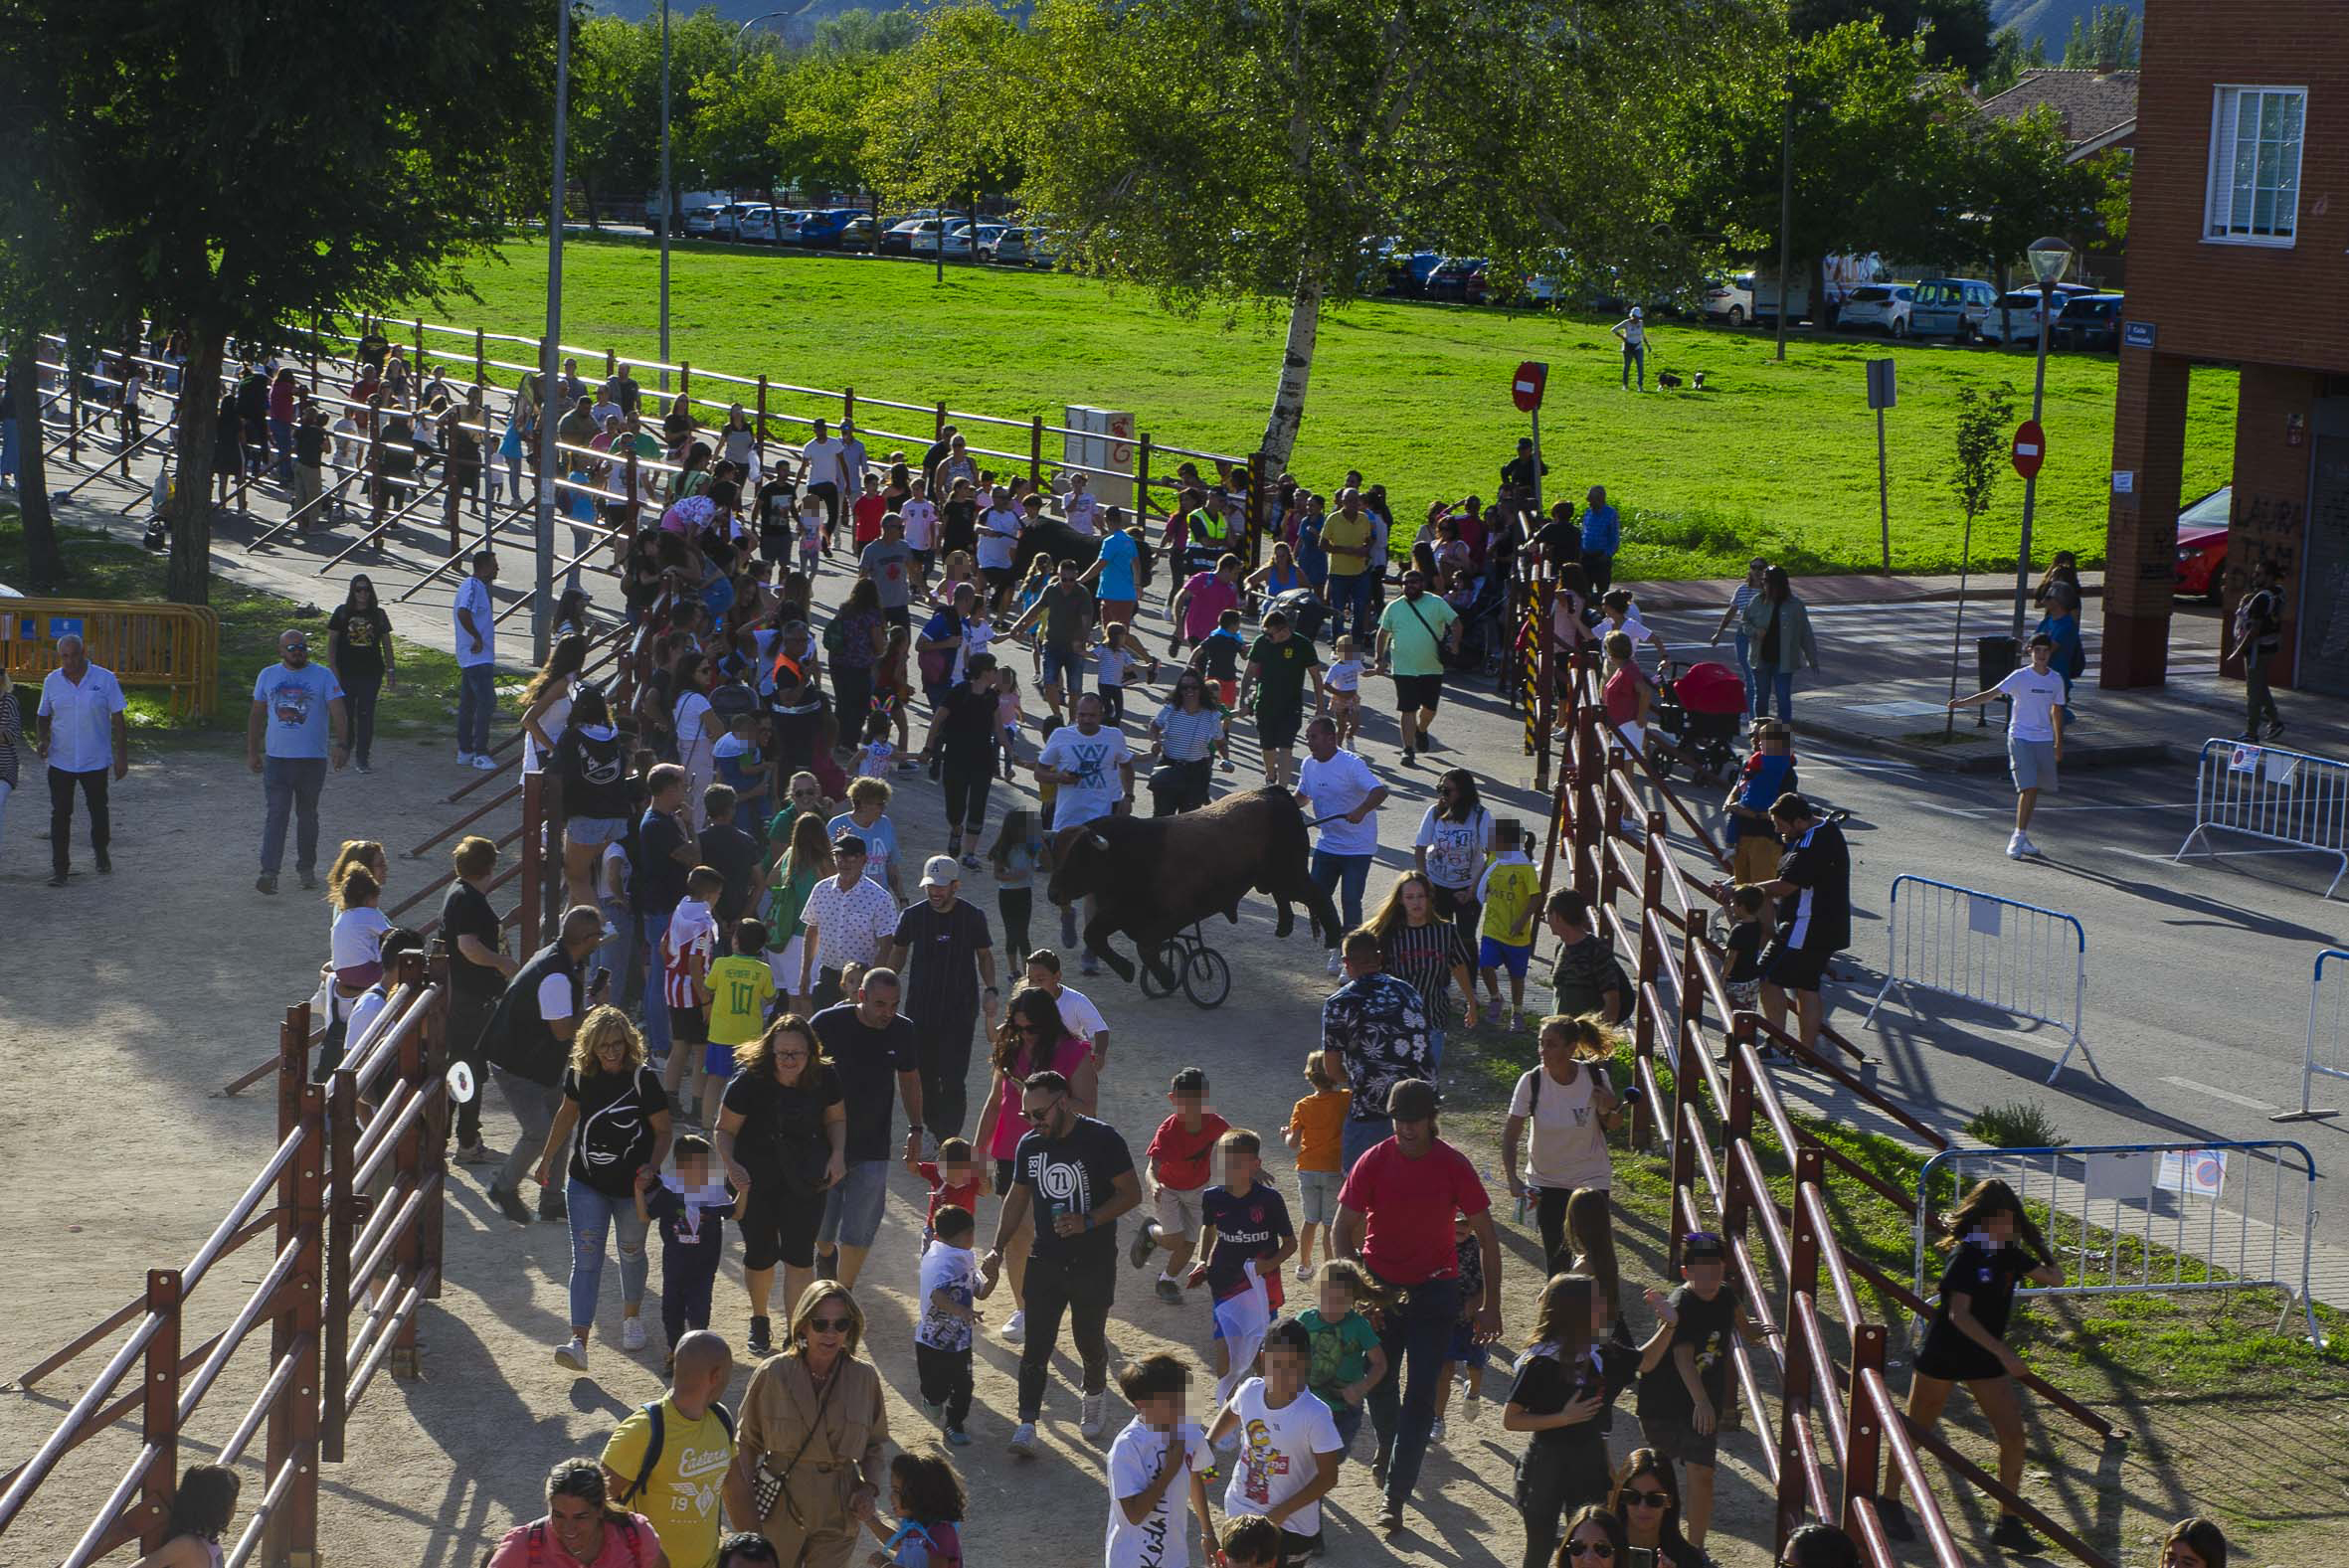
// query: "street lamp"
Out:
[2050,257]
[550,346]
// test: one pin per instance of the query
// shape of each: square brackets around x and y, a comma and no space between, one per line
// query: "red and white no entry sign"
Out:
[1532,376]
[2031,447]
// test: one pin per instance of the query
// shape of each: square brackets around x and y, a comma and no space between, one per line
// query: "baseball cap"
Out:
[939,871]
[1412,1100]
[1704,1246]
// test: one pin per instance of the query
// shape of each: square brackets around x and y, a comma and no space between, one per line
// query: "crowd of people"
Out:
[762,1002]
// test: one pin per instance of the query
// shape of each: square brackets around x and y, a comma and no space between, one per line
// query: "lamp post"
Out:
[542,603]
[1785,220]
[2050,257]
[668,196]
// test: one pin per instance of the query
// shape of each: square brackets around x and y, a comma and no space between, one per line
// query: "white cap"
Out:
[1635,310]
[939,871]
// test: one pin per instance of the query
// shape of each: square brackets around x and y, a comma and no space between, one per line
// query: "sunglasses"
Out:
[1602,1550]
[1039,1117]
[1648,1500]
[829,1325]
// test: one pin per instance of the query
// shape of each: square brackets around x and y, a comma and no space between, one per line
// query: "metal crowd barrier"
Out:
[2265,792]
[2136,1219]
[175,646]
[2022,960]
[2329,1035]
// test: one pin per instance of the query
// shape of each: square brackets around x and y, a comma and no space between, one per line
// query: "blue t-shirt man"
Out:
[1603,530]
[296,701]
[1119,554]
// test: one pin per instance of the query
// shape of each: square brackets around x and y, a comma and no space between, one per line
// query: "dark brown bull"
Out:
[1152,877]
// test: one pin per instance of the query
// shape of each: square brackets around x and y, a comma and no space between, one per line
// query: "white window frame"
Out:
[2219,215]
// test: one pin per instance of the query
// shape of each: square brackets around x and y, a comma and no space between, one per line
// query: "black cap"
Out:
[1412,1100]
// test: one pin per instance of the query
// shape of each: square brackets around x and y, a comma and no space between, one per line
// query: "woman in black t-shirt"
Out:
[359,647]
[616,1105]
[782,1133]
[1566,1387]
[1997,1248]
[1647,1499]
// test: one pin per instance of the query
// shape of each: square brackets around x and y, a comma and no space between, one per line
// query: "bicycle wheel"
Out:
[1171,952]
[1206,978]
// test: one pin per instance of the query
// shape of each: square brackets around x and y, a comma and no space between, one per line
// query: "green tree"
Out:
[205,168]
[2109,37]
[820,138]
[1985,426]
[2009,57]
[614,97]
[1954,32]
[947,118]
[1233,150]
[857,31]
[730,141]
[2018,184]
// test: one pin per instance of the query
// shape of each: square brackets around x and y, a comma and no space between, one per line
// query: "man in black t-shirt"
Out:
[872,1050]
[666,852]
[731,852]
[964,734]
[944,939]
[1076,1176]
[478,971]
[1813,891]
[1560,538]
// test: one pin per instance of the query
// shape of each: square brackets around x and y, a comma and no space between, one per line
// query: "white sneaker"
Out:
[632,1334]
[485,763]
[1435,1432]
[2028,848]
[1023,1440]
[1014,1330]
[1089,1416]
[465,758]
[573,1354]
[1333,965]
[2017,846]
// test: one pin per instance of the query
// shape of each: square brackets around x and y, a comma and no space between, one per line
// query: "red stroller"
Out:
[1696,721]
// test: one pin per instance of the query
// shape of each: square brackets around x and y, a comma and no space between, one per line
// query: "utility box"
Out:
[1104,447]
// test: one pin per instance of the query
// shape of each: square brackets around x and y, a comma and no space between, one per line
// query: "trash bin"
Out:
[1994,660]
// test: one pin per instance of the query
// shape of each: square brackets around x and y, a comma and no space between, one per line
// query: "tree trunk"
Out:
[188,579]
[44,564]
[1288,402]
[595,214]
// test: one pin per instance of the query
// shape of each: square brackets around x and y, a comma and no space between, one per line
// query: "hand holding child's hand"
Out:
[1660,1305]
[1197,1275]
[643,1178]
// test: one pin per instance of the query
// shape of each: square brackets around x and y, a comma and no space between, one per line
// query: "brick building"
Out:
[2238,230]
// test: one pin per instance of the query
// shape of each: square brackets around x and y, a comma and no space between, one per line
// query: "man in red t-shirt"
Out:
[1394,1216]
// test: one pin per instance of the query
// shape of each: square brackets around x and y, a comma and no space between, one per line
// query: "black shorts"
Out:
[1277,726]
[779,1226]
[1673,1437]
[688,1026]
[997,575]
[1794,968]
[1955,1358]
[1414,692]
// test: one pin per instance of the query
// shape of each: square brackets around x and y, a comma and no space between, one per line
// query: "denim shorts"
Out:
[853,1209]
[1064,668]
[1318,1196]
[595,830]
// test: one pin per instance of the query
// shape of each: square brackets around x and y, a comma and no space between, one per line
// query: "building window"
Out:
[2254,179]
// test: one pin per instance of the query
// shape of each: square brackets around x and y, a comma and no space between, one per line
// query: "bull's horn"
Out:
[1099,842]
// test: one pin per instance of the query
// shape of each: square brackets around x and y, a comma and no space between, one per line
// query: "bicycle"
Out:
[1204,973]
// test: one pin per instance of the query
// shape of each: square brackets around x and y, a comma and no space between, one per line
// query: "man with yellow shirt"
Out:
[1345,535]
[675,1480]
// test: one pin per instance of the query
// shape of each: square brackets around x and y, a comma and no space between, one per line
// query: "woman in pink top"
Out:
[1031,1019]
[1627,692]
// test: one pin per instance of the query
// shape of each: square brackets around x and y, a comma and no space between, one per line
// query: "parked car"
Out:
[2202,543]
[1405,271]
[704,220]
[2013,317]
[1884,307]
[1951,307]
[925,239]
[2089,321]
[1042,250]
[1449,278]
[822,228]
[1005,246]
[762,225]
[897,233]
[1729,299]
[860,234]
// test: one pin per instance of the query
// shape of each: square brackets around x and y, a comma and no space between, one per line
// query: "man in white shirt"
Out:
[998,543]
[850,919]
[84,739]
[1339,787]
[477,662]
[1095,771]
[2035,734]
[852,461]
[827,474]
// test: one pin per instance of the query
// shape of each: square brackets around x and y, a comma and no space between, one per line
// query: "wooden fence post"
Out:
[374,479]
[408,1164]
[436,1141]
[419,351]
[159,1414]
[1863,1464]
[1738,1127]
[530,876]
[684,382]
[1259,482]
[847,404]
[342,1224]
[74,408]
[759,439]
[938,430]
[1142,494]
[291,1534]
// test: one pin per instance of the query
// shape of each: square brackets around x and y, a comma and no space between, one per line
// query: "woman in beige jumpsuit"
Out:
[813,1415]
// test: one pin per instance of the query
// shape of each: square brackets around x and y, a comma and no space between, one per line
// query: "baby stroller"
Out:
[1305,609]
[1696,721]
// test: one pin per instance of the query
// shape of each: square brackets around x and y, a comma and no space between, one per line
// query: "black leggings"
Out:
[1016,904]
[1575,1222]
[1459,906]
[360,688]
[966,781]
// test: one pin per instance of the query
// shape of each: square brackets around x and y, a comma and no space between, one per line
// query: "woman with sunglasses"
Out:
[1455,837]
[1032,1038]
[1186,733]
[1595,1538]
[783,1132]
[812,1435]
[1647,1499]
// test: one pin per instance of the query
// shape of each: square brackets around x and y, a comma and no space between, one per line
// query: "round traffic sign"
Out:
[2031,447]
[1526,386]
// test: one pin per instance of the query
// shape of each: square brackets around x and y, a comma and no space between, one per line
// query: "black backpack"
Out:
[655,1440]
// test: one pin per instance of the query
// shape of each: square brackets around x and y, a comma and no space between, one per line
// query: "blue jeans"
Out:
[291,784]
[1745,673]
[618,954]
[1342,876]
[1435,1050]
[477,703]
[1781,682]
[593,1214]
[657,1007]
[1349,592]
[1360,1136]
[1418,1339]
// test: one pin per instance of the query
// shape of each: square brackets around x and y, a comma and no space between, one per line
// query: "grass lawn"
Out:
[1778,458]
[102,567]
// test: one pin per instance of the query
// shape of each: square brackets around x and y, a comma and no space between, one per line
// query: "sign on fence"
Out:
[2265,792]
[2130,1219]
[2019,958]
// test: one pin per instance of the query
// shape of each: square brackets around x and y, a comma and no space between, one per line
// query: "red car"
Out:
[2202,545]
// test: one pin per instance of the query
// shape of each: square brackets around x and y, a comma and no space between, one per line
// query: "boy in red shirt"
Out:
[1181,1153]
[871,508]
[953,1177]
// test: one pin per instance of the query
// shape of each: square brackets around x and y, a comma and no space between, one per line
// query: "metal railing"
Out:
[2327,1052]
[353,1198]
[2265,792]
[174,646]
[2021,958]
[2134,1219]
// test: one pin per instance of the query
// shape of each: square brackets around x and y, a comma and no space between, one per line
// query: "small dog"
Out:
[1667,379]
[1700,382]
